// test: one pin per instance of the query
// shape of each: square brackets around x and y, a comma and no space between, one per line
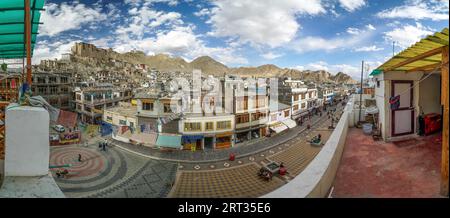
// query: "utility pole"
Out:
[393,48]
[361,92]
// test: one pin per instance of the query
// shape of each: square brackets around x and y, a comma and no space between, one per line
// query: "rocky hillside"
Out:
[209,66]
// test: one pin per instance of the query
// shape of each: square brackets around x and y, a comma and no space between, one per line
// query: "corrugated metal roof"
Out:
[427,47]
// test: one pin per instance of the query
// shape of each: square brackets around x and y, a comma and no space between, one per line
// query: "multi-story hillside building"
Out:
[91,101]
[326,93]
[211,125]
[55,88]
[295,93]
[250,105]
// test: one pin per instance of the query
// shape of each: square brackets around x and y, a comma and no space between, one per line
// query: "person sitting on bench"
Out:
[317,139]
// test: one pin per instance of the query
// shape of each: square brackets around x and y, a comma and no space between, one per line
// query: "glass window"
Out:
[209,126]
[224,125]
[147,106]
[189,127]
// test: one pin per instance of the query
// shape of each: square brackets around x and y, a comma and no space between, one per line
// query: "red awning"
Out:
[67,119]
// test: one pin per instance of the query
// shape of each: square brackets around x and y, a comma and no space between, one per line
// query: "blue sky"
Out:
[333,35]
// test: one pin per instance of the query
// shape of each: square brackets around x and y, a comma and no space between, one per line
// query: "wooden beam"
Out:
[424,68]
[416,58]
[28,40]
[444,102]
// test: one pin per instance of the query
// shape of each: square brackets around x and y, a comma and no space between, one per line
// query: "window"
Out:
[246,103]
[190,127]
[53,89]
[147,106]
[65,89]
[224,125]
[261,102]
[41,80]
[242,118]
[296,97]
[209,126]
[42,90]
[258,116]
[52,79]
[303,105]
[286,113]
[273,117]
[167,108]
[296,107]
[109,118]
[132,124]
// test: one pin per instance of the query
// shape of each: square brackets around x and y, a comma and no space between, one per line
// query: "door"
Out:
[209,144]
[403,117]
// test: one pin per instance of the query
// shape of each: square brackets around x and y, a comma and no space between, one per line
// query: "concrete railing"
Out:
[317,178]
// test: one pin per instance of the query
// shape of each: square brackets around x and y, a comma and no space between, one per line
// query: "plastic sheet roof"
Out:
[12,27]
[425,55]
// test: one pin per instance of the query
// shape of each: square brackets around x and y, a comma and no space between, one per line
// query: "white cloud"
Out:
[369,48]
[315,43]
[370,27]
[299,67]
[203,12]
[319,65]
[181,41]
[262,22]
[53,50]
[271,55]
[352,5]
[418,10]
[60,18]
[144,19]
[353,31]
[407,35]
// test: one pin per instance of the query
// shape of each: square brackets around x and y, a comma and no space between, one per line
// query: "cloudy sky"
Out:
[334,35]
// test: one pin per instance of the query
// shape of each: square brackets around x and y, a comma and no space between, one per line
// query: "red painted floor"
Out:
[376,169]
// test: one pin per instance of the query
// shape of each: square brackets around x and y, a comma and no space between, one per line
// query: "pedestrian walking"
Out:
[79,157]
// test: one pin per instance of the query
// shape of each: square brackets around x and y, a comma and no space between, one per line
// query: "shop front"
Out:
[224,140]
[190,141]
[301,117]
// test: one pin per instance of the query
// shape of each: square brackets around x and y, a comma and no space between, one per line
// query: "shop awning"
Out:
[425,55]
[144,138]
[225,134]
[289,123]
[278,127]
[12,27]
[300,114]
[191,138]
[169,141]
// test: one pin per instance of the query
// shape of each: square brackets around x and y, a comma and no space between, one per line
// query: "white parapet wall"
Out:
[27,153]
[317,178]
[27,148]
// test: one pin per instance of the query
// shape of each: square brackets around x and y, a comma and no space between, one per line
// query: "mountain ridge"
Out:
[208,65]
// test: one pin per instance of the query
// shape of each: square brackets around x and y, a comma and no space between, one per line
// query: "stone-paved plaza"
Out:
[124,171]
